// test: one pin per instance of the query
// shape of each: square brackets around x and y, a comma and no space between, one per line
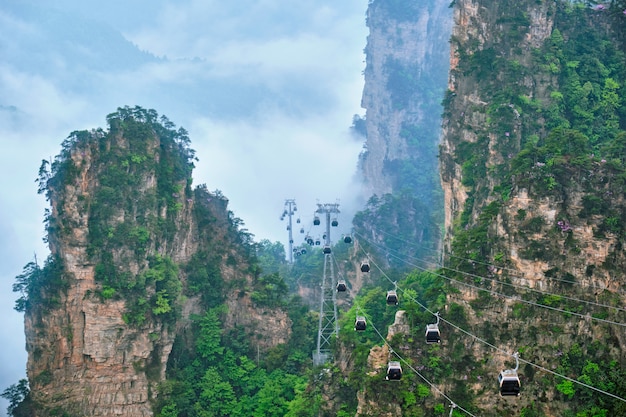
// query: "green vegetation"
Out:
[126,223]
[550,122]
[219,376]
[16,395]
[399,218]
[410,393]
[571,140]
[40,287]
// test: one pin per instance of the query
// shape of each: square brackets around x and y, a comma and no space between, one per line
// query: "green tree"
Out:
[208,343]
[273,399]
[271,290]
[16,394]
[271,256]
[217,398]
[566,387]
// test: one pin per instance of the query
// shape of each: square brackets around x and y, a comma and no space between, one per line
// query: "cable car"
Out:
[303,251]
[432,332]
[394,371]
[326,249]
[317,242]
[334,223]
[341,285]
[365,266]
[316,221]
[360,323]
[302,230]
[509,381]
[347,239]
[298,220]
[392,297]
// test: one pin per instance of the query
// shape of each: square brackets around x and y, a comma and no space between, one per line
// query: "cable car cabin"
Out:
[318,242]
[302,230]
[392,297]
[326,249]
[341,285]
[394,371]
[303,251]
[509,383]
[316,221]
[432,334]
[365,266]
[360,323]
[334,223]
[347,239]
[298,220]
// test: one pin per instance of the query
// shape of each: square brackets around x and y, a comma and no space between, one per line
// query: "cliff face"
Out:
[405,79]
[529,193]
[533,176]
[484,142]
[129,237]
[480,28]
[407,61]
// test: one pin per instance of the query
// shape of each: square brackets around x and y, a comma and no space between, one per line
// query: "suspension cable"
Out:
[585,316]
[433,386]
[501,350]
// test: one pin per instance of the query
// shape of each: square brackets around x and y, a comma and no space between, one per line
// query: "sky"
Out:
[266,89]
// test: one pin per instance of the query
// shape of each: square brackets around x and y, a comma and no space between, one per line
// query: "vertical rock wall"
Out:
[84,357]
[500,228]
[406,48]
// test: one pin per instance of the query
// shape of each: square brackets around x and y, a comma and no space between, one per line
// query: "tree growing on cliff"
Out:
[17,395]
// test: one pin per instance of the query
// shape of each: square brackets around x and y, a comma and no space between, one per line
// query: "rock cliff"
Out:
[128,238]
[405,79]
[529,192]
[406,67]
[532,172]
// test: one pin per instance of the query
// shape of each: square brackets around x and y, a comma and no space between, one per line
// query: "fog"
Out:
[267,90]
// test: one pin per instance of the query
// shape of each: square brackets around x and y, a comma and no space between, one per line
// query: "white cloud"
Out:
[259,163]
[44,107]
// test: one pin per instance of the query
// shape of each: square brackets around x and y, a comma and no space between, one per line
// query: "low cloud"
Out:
[259,163]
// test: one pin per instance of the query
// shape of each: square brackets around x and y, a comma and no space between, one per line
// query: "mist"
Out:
[266,89]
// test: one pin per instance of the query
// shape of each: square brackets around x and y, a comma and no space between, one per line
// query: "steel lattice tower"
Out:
[289,210]
[328,325]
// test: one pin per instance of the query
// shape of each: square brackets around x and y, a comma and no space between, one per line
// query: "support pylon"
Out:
[328,325]
[289,210]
